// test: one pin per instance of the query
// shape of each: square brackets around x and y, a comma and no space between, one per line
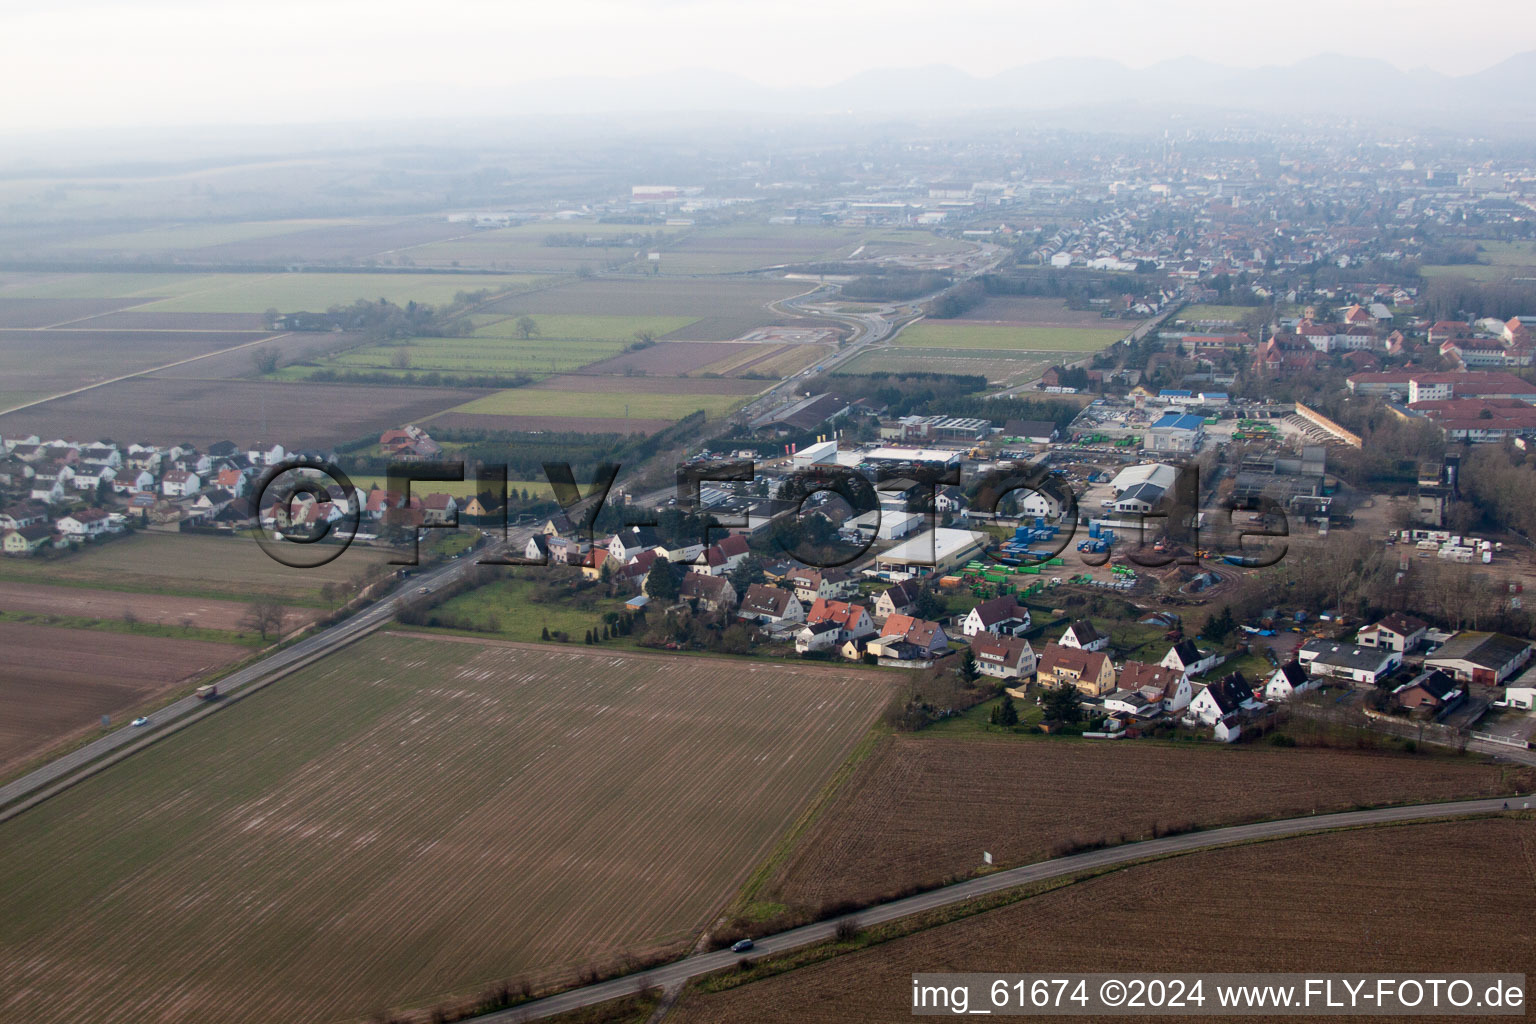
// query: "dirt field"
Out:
[56,361]
[922,809]
[190,566]
[39,313]
[79,602]
[167,411]
[1335,902]
[415,818]
[135,320]
[55,684]
[653,296]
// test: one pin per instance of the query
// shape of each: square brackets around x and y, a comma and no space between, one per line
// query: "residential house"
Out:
[811,585]
[439,509]
[770,606]
[1188,658]
[1001,616]
[1483,658]
[1004,657]
[537,549]
[90,522]
[129,480]
[852,619]
[1287,680]
[898,600]
[89,475]
[630,541]
[1084,636]
[1225,696]
[1363,665]
[1397,632]
[265,453]
[1169,686]
[714,593]
[723,558]
[27,539]
[1091,672]
[180,483]
[925,639]
[1431,691]
[820,636]
[232,480]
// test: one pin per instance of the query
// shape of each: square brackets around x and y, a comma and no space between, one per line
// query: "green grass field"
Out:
[942,334]
[506,605]
[253,293]
[1228,314]
[480,355]
[605,405]
[457,488]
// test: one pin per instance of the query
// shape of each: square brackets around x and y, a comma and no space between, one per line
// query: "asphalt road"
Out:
[691,967]
[310,647]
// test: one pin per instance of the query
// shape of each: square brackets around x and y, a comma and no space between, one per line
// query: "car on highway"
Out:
[139,722]
[742,946]
[423,590]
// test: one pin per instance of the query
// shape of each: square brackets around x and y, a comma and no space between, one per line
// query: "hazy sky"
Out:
[82,63]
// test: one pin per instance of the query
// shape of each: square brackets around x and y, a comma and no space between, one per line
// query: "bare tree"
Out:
[526,327]
[265,616]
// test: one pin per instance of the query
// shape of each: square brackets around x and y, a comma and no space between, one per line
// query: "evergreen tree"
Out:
[1061,704]
[1005,714]
[968,665]
[544,634]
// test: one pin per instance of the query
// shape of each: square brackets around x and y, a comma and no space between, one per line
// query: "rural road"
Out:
[691,967]
[60,769]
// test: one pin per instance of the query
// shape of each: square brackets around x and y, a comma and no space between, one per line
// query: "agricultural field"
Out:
[523,247]
[567,327]
[736,248]
[922,808]
[570,424]
[1213,314]
[960,335]
[170,410]
[149,567]
[163,610]
[316,292]
[43,363]
[668,359]
[762,360]
[1333,899]
[720,309]
[415,820]
[598,404]
[57,682]
[1032,311]
[199,235]
[466,356]
[595,383]
[997,367]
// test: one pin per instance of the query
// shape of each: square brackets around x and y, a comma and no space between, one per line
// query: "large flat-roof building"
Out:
[931,551]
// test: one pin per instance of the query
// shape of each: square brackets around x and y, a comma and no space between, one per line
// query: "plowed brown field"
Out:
[923,809]
[412,818]
[1351,901]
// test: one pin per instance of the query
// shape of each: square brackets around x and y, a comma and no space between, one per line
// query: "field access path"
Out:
[681,971]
